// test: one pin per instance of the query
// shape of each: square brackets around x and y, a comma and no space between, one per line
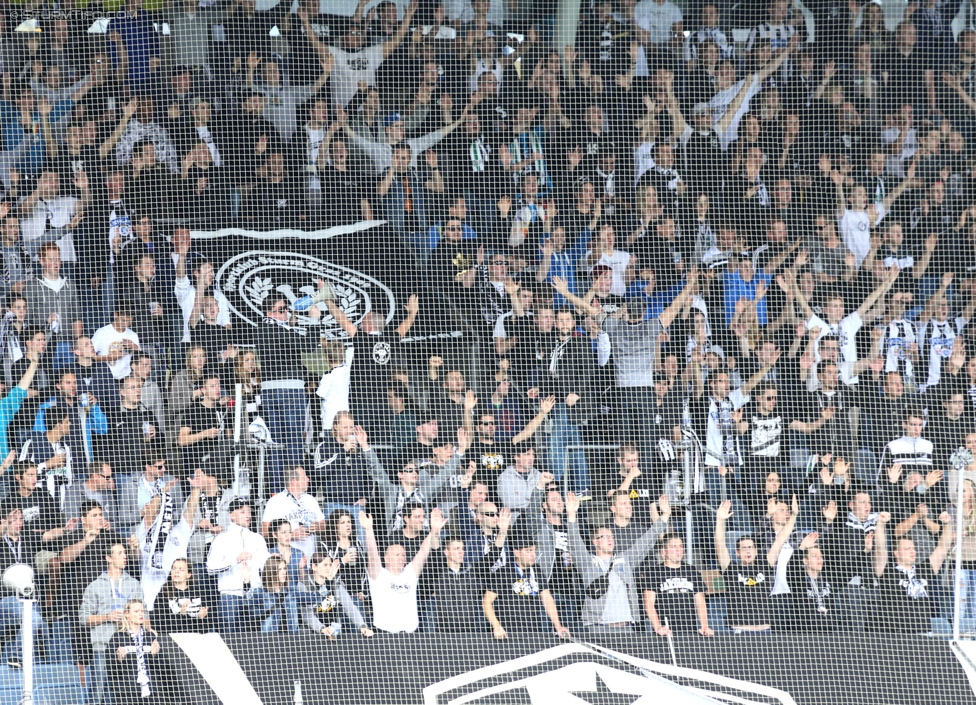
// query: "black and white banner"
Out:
[363,262]
[637,669]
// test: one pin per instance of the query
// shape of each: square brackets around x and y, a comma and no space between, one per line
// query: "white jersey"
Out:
[395,601]
[899,336]
[846,333]
[855,231]
[939,339]
[302,511]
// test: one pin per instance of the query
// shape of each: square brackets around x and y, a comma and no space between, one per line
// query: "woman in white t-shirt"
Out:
[855,222]
[393,588]
[619,262]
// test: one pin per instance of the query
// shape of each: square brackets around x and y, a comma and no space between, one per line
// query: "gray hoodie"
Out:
[102,597]
[390,491]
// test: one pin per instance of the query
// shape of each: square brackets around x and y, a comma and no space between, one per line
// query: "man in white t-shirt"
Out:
[115,343]
[662,21]
[353,63]
[163,539]
[845,328]
[300,509]
[394,588]
[46,213]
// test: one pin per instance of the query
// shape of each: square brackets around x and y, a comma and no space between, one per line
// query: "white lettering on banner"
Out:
[249,278]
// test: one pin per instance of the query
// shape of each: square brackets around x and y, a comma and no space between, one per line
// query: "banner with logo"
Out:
[363,262]
[636,669]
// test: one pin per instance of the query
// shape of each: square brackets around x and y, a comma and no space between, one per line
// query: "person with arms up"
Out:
[410,488]
[634,342]
[459,584]
[749,582]
[515,592]
[610,582]
[281,338]
[392,581]
[908,588]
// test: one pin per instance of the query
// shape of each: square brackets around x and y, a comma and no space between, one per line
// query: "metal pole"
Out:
[238,419]
[957,601]
[27,641]
[567,20]
[689,523]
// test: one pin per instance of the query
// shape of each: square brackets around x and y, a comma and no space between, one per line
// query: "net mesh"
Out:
[487,351]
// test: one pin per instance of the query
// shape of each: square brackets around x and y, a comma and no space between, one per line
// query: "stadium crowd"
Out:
[736,245]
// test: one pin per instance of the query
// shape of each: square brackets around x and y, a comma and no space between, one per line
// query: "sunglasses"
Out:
[488,514]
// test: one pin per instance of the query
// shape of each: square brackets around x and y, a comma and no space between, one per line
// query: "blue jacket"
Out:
[83,424]
[9,406]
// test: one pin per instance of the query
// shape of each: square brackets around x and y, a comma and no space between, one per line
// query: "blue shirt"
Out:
[736,288]
[14,133]
[9,406]
[563,265]
[141,44]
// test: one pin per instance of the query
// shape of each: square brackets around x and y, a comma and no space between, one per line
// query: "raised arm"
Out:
[674,110]
[721,548]
[376,470]
[340,317]
[938,556]
[412,308]
[25,381]
[760,375]
[671,312]
[773,66]
[374,563]
[560,285]
[532,426]
[879,292]
[880,558]
[896,192]
[391,46]
[437,523]
[784,534]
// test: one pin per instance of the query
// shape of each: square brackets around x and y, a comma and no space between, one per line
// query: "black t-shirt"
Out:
[41,513]
[643,492]
[346,194]
[88,565]
[168,615]
[907,599]
[813,600]
[675,589]
[375,356]
[199,418]
[518,606]
[748,589]
[414,451]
